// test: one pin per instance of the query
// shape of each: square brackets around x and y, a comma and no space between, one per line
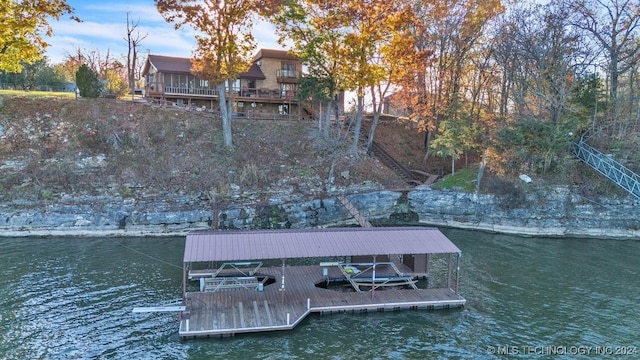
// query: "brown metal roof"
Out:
[275,54]
[254,73]
[287,244]
[170,64]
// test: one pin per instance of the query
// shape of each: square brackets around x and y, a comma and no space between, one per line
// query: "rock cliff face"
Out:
[556,212]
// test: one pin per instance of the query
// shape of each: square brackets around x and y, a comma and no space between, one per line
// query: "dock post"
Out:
[288,317]
[308,303]
[458,273]
[449,272]
[282,284]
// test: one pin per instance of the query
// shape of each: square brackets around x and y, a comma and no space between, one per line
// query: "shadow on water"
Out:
[72,298]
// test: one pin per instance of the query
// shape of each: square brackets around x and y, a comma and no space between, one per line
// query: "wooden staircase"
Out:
[409,177]
[362,221]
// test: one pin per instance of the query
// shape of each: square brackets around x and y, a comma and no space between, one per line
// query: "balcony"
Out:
[174,90]
[264,94]
[287,76]
[245,94]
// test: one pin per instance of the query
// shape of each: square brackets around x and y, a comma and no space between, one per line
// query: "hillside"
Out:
[52,146]
[55,146]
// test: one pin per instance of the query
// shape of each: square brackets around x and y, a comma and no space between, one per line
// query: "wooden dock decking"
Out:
[231,311]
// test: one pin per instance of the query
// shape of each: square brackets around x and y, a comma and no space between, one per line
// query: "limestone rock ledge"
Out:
[556,212]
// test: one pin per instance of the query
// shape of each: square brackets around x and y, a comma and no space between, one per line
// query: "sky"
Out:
[104,28]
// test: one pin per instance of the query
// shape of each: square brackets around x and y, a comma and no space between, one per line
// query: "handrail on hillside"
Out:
[607,166]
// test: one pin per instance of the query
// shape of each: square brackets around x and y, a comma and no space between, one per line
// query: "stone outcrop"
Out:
[554,212]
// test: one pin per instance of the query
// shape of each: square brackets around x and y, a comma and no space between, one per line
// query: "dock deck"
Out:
[231,311]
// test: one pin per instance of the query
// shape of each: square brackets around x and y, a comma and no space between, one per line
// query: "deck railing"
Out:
[190,91]
[244,93]
[607,166]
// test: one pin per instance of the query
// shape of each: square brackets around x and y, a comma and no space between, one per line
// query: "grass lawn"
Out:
[463,180]
[38,94]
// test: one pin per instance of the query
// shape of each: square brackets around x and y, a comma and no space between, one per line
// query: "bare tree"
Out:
[615,26]
[134,38]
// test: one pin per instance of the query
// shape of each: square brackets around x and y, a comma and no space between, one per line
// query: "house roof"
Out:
[168,64]
[287,244]
[254,73]
[274,54]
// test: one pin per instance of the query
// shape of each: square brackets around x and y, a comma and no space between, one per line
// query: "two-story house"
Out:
[267,89]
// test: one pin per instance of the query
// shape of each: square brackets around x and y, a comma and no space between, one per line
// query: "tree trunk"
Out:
[327,118]
[427,145]
[358,126]
[225,115]
[372,131]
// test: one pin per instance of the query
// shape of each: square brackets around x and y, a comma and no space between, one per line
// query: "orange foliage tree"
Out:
[224,43]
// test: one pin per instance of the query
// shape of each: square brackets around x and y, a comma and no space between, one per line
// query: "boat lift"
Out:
[364,275]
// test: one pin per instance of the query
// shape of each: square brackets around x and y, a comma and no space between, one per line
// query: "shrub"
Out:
[510,195]
[87,82]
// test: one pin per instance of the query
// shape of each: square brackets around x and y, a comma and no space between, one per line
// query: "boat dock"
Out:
[230,299]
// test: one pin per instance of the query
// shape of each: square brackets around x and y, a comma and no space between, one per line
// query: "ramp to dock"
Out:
[607,166]
[353,210]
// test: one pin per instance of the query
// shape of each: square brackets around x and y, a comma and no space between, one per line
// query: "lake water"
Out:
[576,298]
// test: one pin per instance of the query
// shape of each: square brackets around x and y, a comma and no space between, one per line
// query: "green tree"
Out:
[589,96]
[87,82]
[50,76]
[24,25]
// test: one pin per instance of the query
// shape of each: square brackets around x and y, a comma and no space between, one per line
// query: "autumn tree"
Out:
[347,43]
[369,28]
[25,23]
[224,43]
[114,77]
[317,46]
[450,31]
[545,58]
[108,69]
[395,57]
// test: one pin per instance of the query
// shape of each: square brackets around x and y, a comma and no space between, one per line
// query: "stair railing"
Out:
[609,167]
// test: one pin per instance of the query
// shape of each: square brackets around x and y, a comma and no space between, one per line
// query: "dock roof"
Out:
[304,243]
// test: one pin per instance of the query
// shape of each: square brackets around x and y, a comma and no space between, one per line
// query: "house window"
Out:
[151,81]
[251,84]
[204,83]
[283,109]
[238,108]
[235,85]
[288,70]
[287,90]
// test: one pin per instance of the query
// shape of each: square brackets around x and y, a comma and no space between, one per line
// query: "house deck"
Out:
[276,307]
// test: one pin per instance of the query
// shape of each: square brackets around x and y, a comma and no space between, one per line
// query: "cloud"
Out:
[104,28]
[265,35]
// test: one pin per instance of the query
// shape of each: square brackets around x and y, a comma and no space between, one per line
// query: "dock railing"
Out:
[607,166]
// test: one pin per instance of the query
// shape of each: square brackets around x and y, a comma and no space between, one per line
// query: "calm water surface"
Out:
[72,299]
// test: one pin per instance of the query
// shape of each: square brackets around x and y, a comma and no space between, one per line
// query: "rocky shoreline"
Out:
[556,212]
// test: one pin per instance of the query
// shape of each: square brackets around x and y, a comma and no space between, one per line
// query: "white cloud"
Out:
[104,28]
[265,35]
